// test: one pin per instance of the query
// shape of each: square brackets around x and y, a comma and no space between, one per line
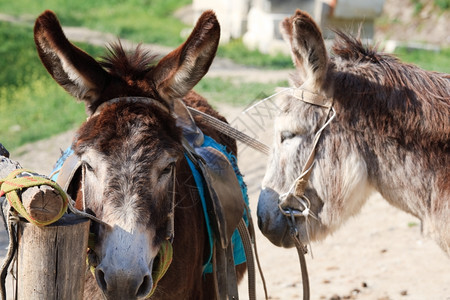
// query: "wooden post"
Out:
[52,259]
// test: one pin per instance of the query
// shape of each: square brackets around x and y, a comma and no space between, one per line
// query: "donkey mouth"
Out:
[271,221]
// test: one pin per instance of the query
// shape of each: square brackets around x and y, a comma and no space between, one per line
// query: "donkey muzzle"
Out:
[123,284]
[272,223]
[125,264]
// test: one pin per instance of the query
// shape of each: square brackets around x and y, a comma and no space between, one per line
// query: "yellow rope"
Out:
[165,255]
[11,185]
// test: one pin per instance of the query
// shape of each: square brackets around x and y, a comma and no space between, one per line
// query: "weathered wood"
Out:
[52,260]
[43,203]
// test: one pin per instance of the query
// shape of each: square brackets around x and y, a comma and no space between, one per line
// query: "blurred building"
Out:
[257,21]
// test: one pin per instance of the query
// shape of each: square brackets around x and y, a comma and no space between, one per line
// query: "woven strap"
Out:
[165,255]
[10,185]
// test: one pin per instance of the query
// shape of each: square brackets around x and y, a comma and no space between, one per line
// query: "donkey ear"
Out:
[178,72]
[72,68]
[307,48]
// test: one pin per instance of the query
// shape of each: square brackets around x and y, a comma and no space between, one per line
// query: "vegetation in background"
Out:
[427,59]
[420,4]
[235,92]
[33,106]
[148,21]
[238,52]
[442,4]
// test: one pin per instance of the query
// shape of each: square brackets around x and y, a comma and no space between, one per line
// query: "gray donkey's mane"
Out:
[381,90]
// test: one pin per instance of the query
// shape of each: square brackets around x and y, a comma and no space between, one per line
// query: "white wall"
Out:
[257,21]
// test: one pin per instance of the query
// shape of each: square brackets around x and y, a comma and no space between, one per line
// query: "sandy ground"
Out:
[380,254]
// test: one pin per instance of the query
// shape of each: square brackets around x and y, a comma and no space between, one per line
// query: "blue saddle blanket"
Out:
[238,247]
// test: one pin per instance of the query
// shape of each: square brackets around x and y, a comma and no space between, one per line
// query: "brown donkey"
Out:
[135,174]
[390,134]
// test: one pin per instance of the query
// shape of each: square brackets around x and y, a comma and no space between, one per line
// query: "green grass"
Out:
[418,6]
[19,61]
[234,92]
[35,111]
[32,105]
[148,21]
[442,4]
[236,51]
[413,224]
[429,60]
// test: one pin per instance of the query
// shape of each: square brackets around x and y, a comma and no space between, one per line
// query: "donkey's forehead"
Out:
[139,157]
[295,115]
[122,128]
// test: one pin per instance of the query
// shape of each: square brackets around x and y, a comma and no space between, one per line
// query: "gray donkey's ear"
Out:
[307,48]
[72,68]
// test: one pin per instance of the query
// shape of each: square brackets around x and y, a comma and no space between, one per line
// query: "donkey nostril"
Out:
[100,276]
[144,288]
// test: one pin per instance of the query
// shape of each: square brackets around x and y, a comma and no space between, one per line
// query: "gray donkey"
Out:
[353,124]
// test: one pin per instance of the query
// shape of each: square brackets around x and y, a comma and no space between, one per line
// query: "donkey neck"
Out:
[404,177]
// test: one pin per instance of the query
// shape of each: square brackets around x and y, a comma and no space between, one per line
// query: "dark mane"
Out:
[350,48]
[394,99]
[120,62]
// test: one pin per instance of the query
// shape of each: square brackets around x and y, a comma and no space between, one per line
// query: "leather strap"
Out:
[289,202]
[67,171]
[246,241]
[307,96]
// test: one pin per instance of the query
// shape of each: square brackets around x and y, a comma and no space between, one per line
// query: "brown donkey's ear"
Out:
[178,72]
[72,68]
[307,48]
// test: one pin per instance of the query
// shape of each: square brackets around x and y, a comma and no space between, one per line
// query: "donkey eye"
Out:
[88,167]
[168,169]
[286,135]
